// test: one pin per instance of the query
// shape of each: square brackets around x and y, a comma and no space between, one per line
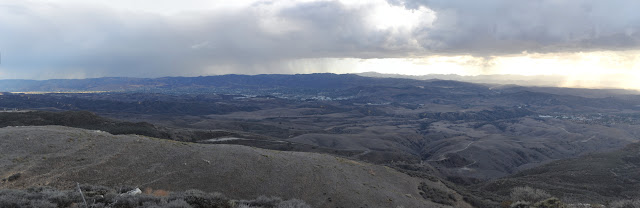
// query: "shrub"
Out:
[18,199]
[262,201]
[528,194]
[178,203]
[12,177]
[552,202]
[293,203]
[506,204]
[436,195]
[520,204]
[62,198]
[625,204]
[200,199]
[140,200]
[272,202]
[583,205]
[101,197]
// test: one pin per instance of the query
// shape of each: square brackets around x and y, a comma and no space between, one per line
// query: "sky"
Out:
[592,43]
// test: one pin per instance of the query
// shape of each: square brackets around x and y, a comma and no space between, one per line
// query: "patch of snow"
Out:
[134,192]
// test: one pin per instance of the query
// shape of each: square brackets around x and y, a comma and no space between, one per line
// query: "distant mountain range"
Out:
[324,81]
[309,81]
[538,80]
[542,83]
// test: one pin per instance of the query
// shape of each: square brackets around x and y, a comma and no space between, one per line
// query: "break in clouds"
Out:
[52,39]
[491,27]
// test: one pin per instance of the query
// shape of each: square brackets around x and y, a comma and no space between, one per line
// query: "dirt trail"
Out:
[443,157]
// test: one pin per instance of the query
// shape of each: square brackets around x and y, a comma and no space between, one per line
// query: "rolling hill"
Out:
[61,156]
[593,178]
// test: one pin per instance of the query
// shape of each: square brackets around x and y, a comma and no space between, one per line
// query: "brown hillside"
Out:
[60,156]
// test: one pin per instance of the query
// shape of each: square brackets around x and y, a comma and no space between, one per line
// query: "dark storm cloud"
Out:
[95,41]
[45,40]
[490,27]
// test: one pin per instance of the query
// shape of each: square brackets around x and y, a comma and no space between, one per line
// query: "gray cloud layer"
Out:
[512,26]
[116,43]
[53,39]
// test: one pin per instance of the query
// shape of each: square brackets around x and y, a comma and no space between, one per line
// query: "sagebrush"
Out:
[102,197]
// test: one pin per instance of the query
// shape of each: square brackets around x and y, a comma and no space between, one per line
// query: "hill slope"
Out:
[594,178]
[60,156]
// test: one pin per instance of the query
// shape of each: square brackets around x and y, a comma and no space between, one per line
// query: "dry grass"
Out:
[238,171]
